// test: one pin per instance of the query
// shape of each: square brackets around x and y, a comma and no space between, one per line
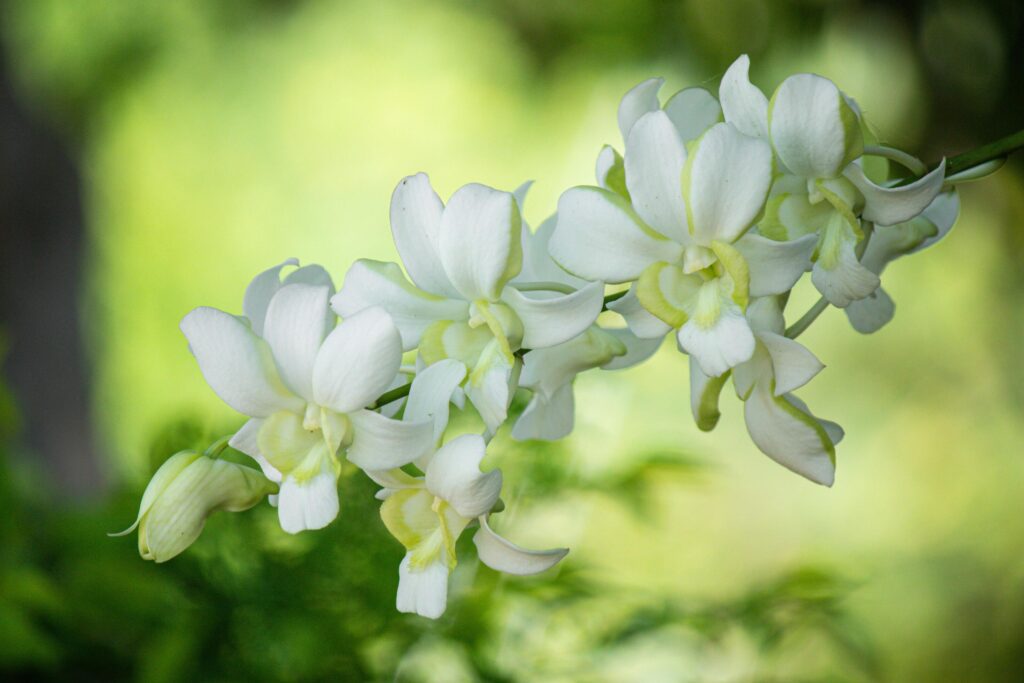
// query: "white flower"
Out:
[185,490]
[461,259]
[779,423]
[890,243]
[427,514]
[676,238]
[306,386]
[817,135]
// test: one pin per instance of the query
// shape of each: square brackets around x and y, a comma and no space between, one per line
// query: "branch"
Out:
[994,150]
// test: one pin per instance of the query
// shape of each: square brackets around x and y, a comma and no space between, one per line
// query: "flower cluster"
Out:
[707,219]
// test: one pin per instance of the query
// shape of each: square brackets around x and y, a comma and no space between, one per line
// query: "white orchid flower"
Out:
[306,385]
[817,134]
[460,304]
[428,514]
[892,242]
[779,423]
[676,238]
[186,490]
[691,110]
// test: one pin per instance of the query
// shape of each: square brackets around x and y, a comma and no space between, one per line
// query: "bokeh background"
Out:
[154,156]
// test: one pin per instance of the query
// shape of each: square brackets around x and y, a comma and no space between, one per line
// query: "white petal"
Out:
[546,370]
[432,391]
[245,440]
[743,103]
[775,266]
[693,111]
[789,436]
[726,344]
[311,504]
[162,478]
[313,275]
[374,283]
[504,556]
[415,225]
[422,591]
[654,165]
[599,237]
[551,321]
[295,326]
[357,361]
[259,292]
[454,476]
[813,129]
[381,443]
[638,349]
[888,206]
[547,417]
[236,363]
[607,158]
[793,363]
[725,183]
[638,101]
[641,322]
[847,281]
[488,387]
[480,242]
[394,479]
[871,313]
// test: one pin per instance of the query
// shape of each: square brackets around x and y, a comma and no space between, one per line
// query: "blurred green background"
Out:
[155,156]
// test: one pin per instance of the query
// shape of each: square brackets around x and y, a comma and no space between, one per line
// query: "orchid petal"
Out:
[551,321]
[743,103]
[547,417]
[599,237]
[375,283]
[723,345]
[480,242]
[357,361]
[638,349]
[610,171]
[638,101]
[246,440]
[454,476]
[295,327]
[382,443]
[260,291]
[641,322]
[422,591]
[416,212]
[654,161]
[488,386]
[790,436]
[693,111]
[504,556]
[793,364]
[872,313]
[704,393]
[813,129]
[311,503]
[888,206]
[237,364]
[775,267]
[431,393]
[725,183]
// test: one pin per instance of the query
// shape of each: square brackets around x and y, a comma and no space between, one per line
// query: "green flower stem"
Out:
[392,396]
[994,150]
[217,447]
[797,328]
[613,297]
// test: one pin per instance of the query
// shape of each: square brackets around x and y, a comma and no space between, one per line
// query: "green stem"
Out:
[797,328]
[609,298]
[217,447]
[392,395]
[993,150]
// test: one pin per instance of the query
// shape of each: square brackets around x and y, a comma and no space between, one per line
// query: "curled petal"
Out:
[872,313]
[504,556]
[704,393]
[547,417]
[775,266]
[298,318]
[638,101]
[723,345]
[431,393]
[891,205]
[551,321]
[793,365]
[641,322]
[743,104]
[454,476]
[382,443]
